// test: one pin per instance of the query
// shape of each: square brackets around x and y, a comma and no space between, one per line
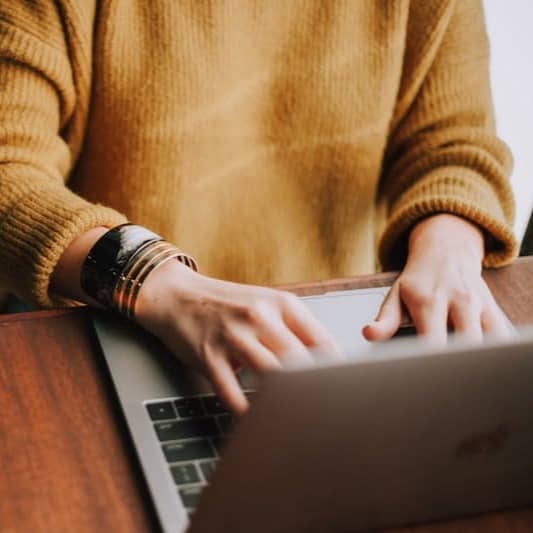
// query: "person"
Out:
[273,142]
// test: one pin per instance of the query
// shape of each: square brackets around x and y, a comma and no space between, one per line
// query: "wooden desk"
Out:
[66,461]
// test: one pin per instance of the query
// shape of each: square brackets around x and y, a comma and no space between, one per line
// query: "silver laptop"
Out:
[394,435]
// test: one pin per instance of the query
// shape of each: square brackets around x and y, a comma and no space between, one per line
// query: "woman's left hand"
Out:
[441,286]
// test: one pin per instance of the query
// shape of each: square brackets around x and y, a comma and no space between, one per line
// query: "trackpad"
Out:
[345,313]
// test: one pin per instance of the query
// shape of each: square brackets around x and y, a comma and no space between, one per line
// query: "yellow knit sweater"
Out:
[274,140]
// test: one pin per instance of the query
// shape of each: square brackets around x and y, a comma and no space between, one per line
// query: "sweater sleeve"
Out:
[443,155]
[39,215]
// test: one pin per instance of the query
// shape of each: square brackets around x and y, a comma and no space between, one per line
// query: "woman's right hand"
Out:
[218,326]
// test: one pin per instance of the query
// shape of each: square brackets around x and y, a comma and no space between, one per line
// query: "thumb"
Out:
[388,319]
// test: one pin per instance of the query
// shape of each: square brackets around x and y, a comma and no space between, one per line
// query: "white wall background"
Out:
[510,29]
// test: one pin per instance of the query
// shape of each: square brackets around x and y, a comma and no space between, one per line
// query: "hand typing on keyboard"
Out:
[441,286]
[219,326]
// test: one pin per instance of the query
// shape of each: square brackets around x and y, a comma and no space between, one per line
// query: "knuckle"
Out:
[417,295]
[406,286]
[423,298]
[258,311]
[463,296]
[406,283]
[288,299]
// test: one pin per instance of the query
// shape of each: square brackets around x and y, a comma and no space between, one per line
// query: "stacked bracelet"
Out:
[119,263]
[141,265]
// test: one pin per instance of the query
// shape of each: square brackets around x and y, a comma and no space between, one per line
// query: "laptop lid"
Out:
[400,437]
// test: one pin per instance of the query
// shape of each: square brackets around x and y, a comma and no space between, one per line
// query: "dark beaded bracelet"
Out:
[108,258]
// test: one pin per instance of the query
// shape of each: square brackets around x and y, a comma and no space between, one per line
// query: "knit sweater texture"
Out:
[276,141]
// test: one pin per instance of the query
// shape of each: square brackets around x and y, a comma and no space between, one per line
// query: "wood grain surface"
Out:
[66,462]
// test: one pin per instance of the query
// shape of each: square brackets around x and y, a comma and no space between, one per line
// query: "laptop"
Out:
[397,434]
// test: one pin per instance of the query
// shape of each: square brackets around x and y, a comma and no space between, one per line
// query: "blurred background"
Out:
[510,29]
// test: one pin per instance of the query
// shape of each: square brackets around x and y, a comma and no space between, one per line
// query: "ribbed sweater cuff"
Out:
[37,230]
[457,191]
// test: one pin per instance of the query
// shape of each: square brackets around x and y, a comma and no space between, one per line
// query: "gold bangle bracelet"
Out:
[131,277]
[131,270]
[149,265]
[130,310]
[137,270]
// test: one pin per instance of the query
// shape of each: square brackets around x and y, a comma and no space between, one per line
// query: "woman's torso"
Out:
[249,133]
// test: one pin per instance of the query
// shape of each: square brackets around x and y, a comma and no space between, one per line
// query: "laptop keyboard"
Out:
[191,432]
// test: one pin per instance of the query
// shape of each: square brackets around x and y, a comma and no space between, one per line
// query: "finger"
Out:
[493,319]
[246,348]
[388,319]
[227,386]
[310,331]
[465,319]
[430,316]
[277,338]
[494,322]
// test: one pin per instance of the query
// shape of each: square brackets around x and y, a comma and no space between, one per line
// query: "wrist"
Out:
[120,262]
[65,279]
[163,291]
[447,234]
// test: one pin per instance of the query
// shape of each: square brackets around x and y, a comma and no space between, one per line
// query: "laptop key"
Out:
[190,495]
[207,468]
[188,450]
[185,473]
[186,429]
[189,407]
[213,405]
[160,410]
